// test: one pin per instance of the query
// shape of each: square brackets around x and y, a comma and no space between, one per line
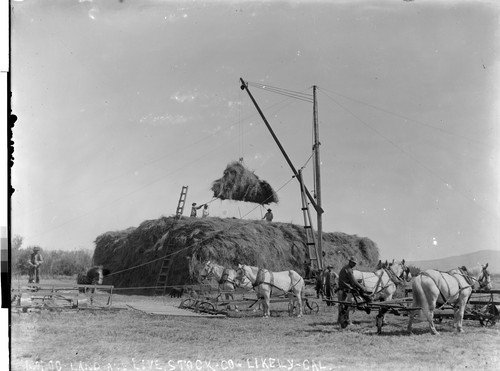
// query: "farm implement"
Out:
[231,302]
[57,297]
[396,307]
[482,306]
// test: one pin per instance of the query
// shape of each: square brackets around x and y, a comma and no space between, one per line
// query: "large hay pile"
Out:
[276,246]
[240,184]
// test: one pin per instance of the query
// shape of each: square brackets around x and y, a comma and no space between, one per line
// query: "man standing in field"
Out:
[348,284]
[34,262]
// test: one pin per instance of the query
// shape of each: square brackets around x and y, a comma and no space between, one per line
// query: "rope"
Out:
[281,91]
[409,155]
[260,205]
[151,261]
[402,117]
[189,246]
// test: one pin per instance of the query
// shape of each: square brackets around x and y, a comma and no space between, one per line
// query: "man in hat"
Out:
[194,208]
[268,216]
[34,262]
[348,284]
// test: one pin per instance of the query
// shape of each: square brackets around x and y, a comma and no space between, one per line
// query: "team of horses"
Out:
[431,289]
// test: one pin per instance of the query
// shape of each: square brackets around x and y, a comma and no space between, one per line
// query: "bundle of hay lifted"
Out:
[240,184]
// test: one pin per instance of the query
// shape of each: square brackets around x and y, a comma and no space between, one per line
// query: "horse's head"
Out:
[484,279]
[400,270]
[206,270]
[240,274]
[405,273]
[242,278]
[96,274]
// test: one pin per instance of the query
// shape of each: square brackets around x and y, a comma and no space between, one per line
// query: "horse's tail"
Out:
[299,283]
[419,297]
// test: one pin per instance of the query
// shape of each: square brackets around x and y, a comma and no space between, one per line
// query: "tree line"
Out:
[55,262]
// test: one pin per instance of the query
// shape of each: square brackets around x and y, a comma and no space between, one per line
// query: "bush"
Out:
[55,263]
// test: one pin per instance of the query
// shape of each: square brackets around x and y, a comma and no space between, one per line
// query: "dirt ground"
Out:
[129,339]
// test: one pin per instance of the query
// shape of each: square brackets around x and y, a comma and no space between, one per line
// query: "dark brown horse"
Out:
[93,276]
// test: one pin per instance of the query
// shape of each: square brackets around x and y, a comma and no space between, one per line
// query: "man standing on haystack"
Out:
[269,216]
[205,211]
[194,208]
[34,262]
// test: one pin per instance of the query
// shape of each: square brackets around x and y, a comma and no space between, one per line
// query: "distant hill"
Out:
[469,260]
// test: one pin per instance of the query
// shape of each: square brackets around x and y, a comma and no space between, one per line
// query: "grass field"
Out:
[132,340]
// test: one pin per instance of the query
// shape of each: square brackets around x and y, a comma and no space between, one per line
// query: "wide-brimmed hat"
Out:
[269,210]
[329,267]
[36,248]
[353,259]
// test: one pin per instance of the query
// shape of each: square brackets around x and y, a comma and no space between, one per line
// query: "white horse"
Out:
[383,282]
[434,288]
[224,276]
[265,281]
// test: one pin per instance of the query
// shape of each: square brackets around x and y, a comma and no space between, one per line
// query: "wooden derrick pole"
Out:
[315,202]
[317,179]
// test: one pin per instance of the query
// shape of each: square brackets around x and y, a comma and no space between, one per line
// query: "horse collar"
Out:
[393,276]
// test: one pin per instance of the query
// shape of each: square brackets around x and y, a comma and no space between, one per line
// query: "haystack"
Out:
[240,184]
[135,255]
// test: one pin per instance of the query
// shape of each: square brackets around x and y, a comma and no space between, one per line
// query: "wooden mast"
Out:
[317,179]
[295,173]
[316,202]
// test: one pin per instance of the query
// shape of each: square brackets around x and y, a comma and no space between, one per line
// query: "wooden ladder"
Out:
[161,281]
[182,202]
[310,240]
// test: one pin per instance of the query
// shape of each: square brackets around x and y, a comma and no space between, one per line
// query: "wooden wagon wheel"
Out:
[188,303]
[311,307]
[206,307]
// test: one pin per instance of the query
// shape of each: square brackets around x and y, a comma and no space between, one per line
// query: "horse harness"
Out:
[260,279]
[225,278]
[392,277]
[460,288]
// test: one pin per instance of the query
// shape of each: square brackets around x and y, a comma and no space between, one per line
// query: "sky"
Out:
[121,103]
